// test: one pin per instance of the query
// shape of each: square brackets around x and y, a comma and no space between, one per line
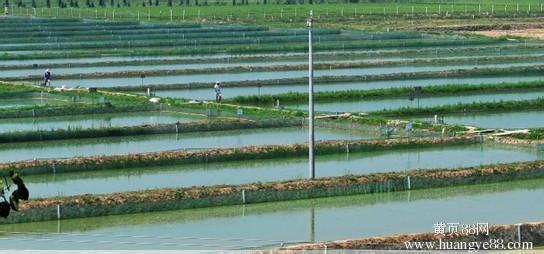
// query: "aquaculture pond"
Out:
[229,77]
[376,105]
[100,59]
[248,171]
[143,68]
[241,227]
[25,102]
[229,92]
[94,121]
[214,62]
[504,120]
[373,56]
[165,142]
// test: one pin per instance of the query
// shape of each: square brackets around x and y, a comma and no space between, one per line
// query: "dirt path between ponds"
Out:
[533,33]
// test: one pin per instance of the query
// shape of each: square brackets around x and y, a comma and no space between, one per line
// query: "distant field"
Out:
[376,16]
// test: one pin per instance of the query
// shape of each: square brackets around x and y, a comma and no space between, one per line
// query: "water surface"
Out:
[94,121]
[236,227]
[248,171]
[229,92]
[166,142]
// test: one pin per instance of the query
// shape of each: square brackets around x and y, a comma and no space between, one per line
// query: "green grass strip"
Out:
[398,92]
[499,106]
[208,125]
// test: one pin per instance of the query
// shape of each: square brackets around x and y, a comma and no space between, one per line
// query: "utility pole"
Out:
[311,99]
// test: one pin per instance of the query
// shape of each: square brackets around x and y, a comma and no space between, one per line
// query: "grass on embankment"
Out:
[171,49]
[500,106]
[398,92]
[534,134]
[198,126]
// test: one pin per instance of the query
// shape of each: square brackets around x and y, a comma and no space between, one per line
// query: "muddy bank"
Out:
[225,154]
[486,27]
[220,195]
[526,232]
[517,141]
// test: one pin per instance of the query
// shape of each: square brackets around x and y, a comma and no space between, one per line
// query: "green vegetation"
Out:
[381,15]
[263,34]
[423,56]
[534,134]
[499,106]
[401,92]
[11,91]
[77,133]
[128,48]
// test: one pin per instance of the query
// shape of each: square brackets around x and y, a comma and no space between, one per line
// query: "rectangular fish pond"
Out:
[36,101]
[165,142]
[95,121]
[229,92]
[229,77]
[107,69]
[499,120]
[248,171]
[397,103]
[242,227]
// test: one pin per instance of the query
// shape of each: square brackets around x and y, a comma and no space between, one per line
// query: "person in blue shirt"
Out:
[47,78]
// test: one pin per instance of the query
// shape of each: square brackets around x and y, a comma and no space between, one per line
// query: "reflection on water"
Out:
[510,120]
[165,142]
[248,171]
[94,121]
[270,224]
[377,105]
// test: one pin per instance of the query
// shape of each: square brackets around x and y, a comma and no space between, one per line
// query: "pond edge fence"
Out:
[224,195]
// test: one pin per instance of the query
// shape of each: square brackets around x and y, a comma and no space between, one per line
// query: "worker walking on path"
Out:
[47,78]
[217,89]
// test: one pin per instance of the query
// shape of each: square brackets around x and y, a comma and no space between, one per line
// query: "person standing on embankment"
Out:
[47,78]
[217,89]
